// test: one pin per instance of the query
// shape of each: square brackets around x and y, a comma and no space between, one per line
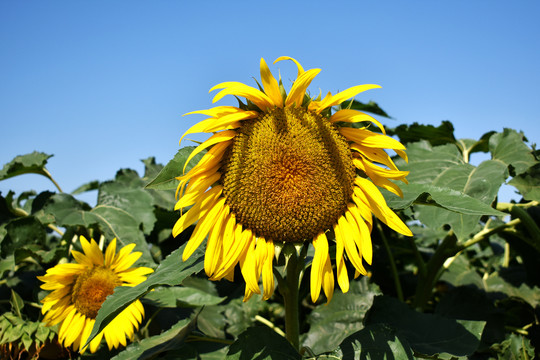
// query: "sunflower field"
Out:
[111,281]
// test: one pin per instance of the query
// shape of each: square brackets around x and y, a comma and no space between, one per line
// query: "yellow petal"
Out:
[217,111]
[350,237]
[364,243]
[298,89]
[320,244]
[257,97]
[214,139]
[248,267]
[267,271]
[229,121]
[328,279]
[342,276]
[270,84]
[344,95]
[370,139]
[208,161]
[378,205]
[214,245]
[195,190]
[110,252]
[201,230]
[197,210]
[300,68]
[353,116]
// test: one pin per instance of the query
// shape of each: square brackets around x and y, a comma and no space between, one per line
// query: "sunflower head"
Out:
[79,289]
[284,167]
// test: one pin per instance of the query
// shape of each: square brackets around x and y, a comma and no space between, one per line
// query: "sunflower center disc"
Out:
[91,289]
[288,175]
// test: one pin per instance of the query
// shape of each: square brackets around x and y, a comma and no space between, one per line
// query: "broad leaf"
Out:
[33,163]
[440,135]
[89,186]
[181,297]
[261,343]
[376,342]
[508,147]
[149,348]
[443,168]
[166,179]
[343,316]
[528,183]
[133,199]
[427,334]
[114,222]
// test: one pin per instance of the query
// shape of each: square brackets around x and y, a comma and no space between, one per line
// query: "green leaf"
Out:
[427,334]
[514,347]
[114,222]
[89,186]
[494,283]
[443,197]
[261,343]
[181,297]
[134,200]
[33,163]
[528,183]
[440,135]
[371,107]
[170,340]
[375,342]
[240,315]
[17,303]
[172,271]
[442,167]
[166,179]
[508,147]
[333,322]
[22,232]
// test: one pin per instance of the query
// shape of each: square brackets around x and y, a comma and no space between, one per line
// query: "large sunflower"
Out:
[283,168]
[80,288]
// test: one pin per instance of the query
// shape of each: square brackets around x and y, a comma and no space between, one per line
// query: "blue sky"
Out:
[103,84]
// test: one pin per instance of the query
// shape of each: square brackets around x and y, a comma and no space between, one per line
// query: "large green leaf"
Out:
[426,333]
[333,322]
[114,222]
[172,271]
[166,179]
[261,343]
[439,135]
[181,297]
[509,148]
[443,197]
[127,193]
[528,183]
[170,340]
[466,191]
[33,163]
[375,342]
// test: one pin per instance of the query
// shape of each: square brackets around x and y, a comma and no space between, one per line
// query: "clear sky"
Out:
[103,84]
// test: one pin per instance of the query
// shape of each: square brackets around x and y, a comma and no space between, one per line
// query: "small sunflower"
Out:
[282,168]
[80,288]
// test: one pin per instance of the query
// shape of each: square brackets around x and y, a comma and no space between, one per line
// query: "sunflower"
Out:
[283,168]
[80,288]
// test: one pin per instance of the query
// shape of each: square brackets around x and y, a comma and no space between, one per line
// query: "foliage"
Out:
[466,286]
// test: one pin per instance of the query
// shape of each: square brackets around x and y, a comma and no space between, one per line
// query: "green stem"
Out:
[292,321]
[425,285]
[270,325]
[48,174]
[393,267]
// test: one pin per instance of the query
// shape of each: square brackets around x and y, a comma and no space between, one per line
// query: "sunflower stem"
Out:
[289,289]
[393,268]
